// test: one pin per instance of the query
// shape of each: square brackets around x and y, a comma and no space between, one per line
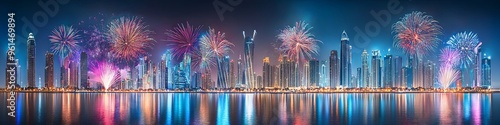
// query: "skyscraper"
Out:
[240,73]
[305,80]
[409,73]
[84,68]
[267,73]
[73,74]
[429,75]
[376,80]
[334,69]
[486,72]
[248,57]
[477,66]
[388,71]
[49,70]
[232,75]
[365,71]
[223,72]
[398,65]
[323,74]
[31,61]
[314,73]
[345,60]
[359,76]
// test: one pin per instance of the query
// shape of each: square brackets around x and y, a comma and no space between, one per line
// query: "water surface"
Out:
[240,108]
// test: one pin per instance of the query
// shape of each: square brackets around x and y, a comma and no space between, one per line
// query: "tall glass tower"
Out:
[365,80]
[345,61]
[334,69]
[248,57]
[31,61]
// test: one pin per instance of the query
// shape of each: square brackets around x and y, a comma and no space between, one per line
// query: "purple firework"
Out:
[448,72]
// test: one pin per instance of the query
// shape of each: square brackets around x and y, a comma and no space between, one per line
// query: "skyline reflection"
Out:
[232,108]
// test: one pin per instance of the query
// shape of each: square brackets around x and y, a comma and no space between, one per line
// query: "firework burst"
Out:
[129,38]
[64,41]
[448,73]
[416,33]
[94,33]
[297,42]
[464,43]
[215,43]
[183,40]
[203,60]
[105,74]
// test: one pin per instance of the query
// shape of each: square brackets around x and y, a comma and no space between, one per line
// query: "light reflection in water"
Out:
[225,108]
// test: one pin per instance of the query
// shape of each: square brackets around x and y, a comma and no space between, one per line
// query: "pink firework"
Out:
[416,33]
[105,74]
[215,43]
[183,40]
[297,42]
[129,38]
[64,41]
[448,72]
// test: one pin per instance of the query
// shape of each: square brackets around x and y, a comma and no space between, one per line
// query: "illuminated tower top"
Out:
[344,36]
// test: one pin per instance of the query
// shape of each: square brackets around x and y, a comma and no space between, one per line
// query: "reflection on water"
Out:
[224,109]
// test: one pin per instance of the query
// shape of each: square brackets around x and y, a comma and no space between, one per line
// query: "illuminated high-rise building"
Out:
[345,61]
[376,70]
[314,73]
[334,69]
[486,72]
[365,71]
[359,77]
[409,72]
[323,74]
[267,73]
[248,57]
[49,70]
[477,66]
[398,65]
[31,61]
[305,80]
[84,68]
[223,73]
[388,71]
[232,75]
[240,73]
[404,77]
[429,74]
[73,73]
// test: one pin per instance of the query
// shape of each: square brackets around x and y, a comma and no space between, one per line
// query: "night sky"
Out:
[328,19]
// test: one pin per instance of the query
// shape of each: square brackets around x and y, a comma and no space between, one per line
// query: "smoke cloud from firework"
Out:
[64,40]
[94,30]
[297,42]
[416,33]
[129,38]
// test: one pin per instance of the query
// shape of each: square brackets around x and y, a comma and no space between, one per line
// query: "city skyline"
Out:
[273,61]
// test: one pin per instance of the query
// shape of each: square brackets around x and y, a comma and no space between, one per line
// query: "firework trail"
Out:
[297,42]
[129,38]
[183,40]
[448,72]
[64,41]
[416,33]
[464,43]
[105,74]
